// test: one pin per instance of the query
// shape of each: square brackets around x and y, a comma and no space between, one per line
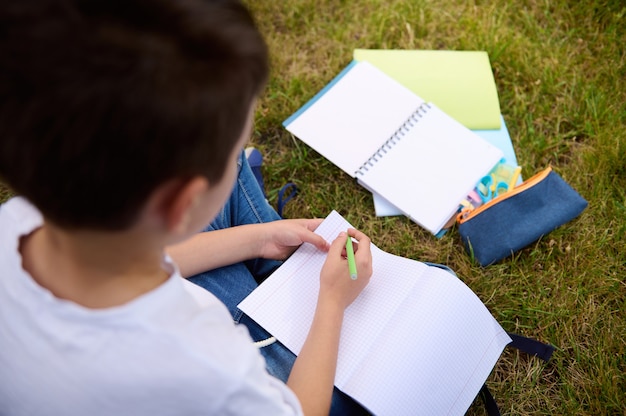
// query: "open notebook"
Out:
[417,340]
[397,145]
[499,138]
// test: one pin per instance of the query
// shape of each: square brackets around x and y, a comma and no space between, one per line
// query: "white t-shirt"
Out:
[172,351]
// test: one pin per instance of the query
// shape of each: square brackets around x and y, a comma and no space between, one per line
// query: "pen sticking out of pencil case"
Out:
[518,217]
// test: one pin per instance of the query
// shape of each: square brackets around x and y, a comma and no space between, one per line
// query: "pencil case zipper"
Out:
[467,214]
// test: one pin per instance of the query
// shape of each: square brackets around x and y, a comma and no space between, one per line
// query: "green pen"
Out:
[351,261]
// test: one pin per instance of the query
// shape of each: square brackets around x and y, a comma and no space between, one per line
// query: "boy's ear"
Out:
[175,202]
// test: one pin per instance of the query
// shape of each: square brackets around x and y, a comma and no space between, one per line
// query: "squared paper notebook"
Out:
[397,145]
[417,340]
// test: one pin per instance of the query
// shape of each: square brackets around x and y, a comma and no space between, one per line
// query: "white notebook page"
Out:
[499,138]
[430,169]
[417,340]
[347,124]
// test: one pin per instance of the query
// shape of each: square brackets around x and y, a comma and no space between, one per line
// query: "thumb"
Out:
[315,239]
[338,245]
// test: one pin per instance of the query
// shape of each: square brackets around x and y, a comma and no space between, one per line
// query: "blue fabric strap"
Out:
[532,347]
[490,403]
[291,190]
[529,346]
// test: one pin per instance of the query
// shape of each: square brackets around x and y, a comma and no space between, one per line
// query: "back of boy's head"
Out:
[101,101]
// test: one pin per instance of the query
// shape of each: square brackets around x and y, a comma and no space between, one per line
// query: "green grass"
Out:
[560,69]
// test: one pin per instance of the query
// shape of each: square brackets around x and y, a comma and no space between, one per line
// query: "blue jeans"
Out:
[231,284]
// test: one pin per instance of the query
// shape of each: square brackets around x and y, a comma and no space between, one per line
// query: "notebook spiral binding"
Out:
[413,119]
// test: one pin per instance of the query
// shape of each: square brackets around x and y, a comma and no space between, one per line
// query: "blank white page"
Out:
[436,355]
[413,332]
[284,304]
[354,116]
[431,168]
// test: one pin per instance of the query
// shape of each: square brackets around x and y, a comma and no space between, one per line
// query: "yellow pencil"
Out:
[513,181]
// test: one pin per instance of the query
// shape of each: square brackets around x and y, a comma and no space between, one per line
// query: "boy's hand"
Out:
[336,286]
[283,237]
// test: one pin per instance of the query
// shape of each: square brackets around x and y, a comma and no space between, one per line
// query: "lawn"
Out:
[560,70]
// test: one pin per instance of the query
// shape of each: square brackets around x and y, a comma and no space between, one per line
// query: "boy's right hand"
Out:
[313,373]
[336,285]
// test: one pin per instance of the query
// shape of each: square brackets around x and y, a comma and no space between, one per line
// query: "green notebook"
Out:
[461,83]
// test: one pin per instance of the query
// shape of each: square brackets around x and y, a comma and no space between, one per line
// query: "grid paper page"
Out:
[285,303]
[400,338]
[440,349]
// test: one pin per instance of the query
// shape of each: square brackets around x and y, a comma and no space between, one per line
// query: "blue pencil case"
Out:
[519,217]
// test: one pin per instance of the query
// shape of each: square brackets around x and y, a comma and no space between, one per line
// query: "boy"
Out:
[121,124]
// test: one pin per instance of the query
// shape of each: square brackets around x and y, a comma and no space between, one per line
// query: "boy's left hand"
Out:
[283,237]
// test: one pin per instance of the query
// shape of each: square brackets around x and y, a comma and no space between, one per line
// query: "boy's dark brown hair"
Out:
[103,100]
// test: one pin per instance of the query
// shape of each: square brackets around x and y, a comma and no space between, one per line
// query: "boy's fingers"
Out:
[338,244]
[318,241]
[362,239]
[363,253]
[315,239]
[313,223]
[308,236]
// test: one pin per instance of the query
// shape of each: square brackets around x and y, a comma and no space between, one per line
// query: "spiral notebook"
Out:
[499,138]
[394,143]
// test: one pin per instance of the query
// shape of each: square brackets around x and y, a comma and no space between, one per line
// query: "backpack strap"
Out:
[528,345]
[532,346]
[490,403]
[288,191]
